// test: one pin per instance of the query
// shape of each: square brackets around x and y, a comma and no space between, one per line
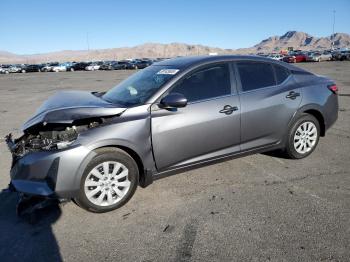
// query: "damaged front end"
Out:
[48,137]
[48,156]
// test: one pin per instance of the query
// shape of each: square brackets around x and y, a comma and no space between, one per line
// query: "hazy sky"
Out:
[37,26]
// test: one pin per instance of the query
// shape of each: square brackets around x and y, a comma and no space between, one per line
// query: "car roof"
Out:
[190,61]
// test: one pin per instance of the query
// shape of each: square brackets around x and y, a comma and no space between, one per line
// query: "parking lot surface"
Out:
[255,208]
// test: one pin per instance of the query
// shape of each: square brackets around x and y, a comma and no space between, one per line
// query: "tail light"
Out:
[333,88]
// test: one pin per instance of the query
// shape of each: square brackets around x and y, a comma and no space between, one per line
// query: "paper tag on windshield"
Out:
[168,72]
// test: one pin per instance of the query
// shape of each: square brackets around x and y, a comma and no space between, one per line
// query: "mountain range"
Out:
[295,39]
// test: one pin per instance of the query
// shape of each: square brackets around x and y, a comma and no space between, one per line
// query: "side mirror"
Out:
[173,100]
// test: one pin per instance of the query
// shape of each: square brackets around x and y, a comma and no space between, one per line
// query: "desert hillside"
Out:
[297,40]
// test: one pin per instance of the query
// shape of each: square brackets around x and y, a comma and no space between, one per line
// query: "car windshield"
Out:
[136,89]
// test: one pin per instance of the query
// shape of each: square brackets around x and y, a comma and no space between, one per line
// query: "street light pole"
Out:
[333,29]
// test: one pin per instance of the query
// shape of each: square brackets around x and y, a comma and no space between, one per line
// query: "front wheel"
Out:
[109,181]
[303,137]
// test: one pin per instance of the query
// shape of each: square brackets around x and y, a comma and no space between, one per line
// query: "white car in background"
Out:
[276,57]
[59,68]
[93,66]
[48,67]
[15,69]
[4,70]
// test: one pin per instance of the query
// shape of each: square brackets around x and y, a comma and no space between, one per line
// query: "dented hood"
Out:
[67,106]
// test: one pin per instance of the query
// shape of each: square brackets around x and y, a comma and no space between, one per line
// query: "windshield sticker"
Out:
[132,91]
[168,72]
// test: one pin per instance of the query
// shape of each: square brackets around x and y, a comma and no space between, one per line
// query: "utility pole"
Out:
[87,41]
[333,29]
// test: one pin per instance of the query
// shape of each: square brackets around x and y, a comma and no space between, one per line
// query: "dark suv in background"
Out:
[79,66]
[31,68]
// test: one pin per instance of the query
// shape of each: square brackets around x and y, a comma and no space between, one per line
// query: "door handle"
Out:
[292,95]
[228,110]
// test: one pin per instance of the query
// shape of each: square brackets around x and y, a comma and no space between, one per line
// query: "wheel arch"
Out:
[145,177]
[318,115]
[314,110]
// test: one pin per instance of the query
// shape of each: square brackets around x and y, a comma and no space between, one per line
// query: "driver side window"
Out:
[206,83]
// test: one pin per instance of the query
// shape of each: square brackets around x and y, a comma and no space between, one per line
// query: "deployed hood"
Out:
[67,106]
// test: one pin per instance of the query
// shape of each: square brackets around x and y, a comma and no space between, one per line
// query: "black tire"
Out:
[109,154]
[290,149]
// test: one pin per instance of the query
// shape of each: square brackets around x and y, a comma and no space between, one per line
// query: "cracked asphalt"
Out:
[256,208]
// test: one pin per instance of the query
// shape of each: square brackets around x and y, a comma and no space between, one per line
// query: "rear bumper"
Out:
[50,173]
[331,112]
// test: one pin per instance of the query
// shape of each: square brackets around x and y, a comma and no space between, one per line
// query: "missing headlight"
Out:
[47,137]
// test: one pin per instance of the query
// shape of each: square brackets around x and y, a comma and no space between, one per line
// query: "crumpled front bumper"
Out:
[53,173]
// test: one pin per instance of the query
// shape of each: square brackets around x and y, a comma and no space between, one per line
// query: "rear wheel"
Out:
[303,137]
[109,181]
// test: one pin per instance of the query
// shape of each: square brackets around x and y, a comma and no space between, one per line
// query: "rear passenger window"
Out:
[255,75]
[209,82]
[281,74]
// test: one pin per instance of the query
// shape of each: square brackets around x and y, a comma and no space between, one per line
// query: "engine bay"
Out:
[45,137]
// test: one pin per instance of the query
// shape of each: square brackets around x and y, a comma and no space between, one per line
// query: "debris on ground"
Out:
[166,228]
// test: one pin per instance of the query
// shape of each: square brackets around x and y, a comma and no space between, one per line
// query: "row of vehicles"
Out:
[78,66]
[298,56]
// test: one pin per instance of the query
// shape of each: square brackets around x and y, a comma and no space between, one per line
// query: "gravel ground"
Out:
[256,208]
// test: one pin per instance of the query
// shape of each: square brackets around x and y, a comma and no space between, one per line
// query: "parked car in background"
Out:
[319,56]
[69,65]
[96,148]
[112,65]
[93,66]
[341,55]
[299,56]
[138,64]
[313,57]
[277,57]
[106,66]
[326,56]
[59,68]
[79,66]
[4,70]
[130,65]
[31,68]
[15,68]
[123,64]
[289,59]
[48,67]
[118,65]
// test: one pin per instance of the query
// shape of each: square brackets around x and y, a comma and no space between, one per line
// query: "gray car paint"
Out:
[166,140]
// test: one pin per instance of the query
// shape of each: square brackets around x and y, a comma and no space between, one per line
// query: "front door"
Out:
[207,127]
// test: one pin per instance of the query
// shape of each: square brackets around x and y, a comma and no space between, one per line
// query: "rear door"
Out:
[207,127]
[269,98]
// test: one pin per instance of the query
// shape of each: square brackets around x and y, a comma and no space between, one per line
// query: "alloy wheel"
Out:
[107,183]
[305,137]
